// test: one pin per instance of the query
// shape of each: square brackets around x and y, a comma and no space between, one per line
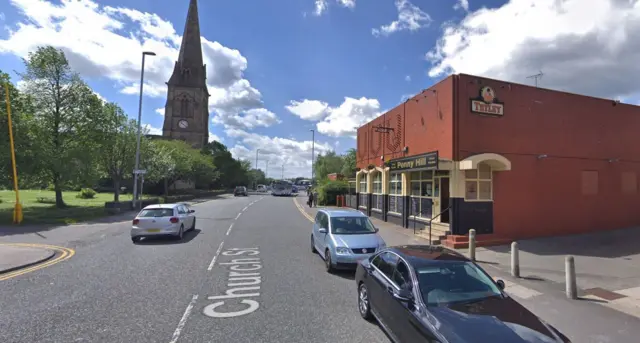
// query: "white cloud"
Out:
[213,137]
[410,18]
[407,78]
[337,121]
[150,130]
[295,155]
[461,4]
[345,119]
[102,98]
[585,49]
[102,41]
[308,109]
[321,6]
[252,118]
[160,111]
[2,16]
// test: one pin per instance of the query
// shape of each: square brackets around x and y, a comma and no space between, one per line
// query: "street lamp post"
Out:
[256,173]
[136,170]
[313,156]
[266,172]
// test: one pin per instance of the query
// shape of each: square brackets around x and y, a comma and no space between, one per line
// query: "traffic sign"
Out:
[140,171]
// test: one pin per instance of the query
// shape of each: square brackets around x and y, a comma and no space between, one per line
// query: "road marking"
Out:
[304,213]
[244,209]
[213,261]
[183,320]
[230,227]
[244,278]
[238,216]
[65,254]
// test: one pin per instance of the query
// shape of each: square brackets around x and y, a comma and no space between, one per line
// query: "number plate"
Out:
[153,230]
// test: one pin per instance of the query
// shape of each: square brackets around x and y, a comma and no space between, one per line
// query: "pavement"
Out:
[246,274]
[14,257]
[594,318]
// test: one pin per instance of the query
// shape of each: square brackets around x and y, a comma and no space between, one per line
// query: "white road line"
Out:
[244,209]
[230,227]
[183,320]
[238,216]
[213,261]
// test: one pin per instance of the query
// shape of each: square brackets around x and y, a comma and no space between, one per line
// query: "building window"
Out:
[395,192]
[589,182]
[629,183]
[422,189]
[377,183]
[363,183]
[478,183]
[395,184]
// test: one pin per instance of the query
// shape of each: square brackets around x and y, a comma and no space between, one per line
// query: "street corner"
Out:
[21,258]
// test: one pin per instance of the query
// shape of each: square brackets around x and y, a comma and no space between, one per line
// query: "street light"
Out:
[256,173]
[136,170]
[313,142]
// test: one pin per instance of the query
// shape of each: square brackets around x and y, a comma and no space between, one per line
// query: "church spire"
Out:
[191,48]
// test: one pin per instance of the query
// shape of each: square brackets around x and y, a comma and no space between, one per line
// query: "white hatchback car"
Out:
[162,220]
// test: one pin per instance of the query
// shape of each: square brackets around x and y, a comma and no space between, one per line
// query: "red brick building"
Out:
[508,160]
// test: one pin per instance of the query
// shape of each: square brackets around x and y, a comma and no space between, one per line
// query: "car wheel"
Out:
[135,239]
[363,302]
[193,227]
[180,233]
[313,246]
[327,261]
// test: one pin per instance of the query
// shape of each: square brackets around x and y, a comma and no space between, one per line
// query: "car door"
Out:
[190,215]
[324,237]
[316,231]
[405,314]
[182,214]
[380,280]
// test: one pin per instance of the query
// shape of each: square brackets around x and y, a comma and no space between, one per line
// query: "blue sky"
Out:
[341,62]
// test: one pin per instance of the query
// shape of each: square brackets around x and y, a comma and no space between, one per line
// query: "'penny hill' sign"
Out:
[424,161]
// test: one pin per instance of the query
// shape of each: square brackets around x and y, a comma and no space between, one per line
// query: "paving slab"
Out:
[14,257]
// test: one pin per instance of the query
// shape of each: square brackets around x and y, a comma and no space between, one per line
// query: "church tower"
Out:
[186,114]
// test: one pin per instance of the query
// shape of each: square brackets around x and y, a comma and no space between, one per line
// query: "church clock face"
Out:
[183,124]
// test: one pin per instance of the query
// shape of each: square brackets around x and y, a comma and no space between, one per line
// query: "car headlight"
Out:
[343,251]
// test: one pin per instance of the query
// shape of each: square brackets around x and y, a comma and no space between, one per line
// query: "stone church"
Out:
[187,109]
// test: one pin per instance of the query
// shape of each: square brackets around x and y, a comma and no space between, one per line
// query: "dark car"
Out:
[421,293]
[240,190]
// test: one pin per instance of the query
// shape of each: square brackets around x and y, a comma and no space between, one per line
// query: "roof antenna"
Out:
[536,77]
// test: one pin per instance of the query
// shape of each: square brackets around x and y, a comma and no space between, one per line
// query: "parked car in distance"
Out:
[163,220]
[343,237]
[240,190]
[262,188]
[422,293]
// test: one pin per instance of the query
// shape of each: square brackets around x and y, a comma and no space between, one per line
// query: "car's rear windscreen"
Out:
[156,212]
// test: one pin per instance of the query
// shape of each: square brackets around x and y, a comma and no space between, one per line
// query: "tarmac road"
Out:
[160,291]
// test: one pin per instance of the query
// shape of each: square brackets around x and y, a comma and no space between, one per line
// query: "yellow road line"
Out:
[304,213]
[65,254]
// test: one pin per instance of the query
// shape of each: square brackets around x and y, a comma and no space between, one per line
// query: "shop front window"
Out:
[395,192]
[377,183]
[363,183]
[422,189]
[478,183]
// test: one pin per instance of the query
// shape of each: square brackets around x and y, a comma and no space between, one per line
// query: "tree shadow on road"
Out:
[188,237]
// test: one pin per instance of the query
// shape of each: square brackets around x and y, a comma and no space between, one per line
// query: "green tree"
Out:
[65,114]
[25,142]
[327,164]
[158,161]
[117,138]
[349,163]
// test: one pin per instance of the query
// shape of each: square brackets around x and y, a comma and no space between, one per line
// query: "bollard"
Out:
[472,244]
[515,260]
[570,277]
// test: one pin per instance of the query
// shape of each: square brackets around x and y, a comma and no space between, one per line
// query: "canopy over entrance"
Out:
[496,161]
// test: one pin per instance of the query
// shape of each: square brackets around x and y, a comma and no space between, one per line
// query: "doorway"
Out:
[444,199]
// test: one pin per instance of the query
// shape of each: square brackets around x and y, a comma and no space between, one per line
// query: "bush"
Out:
[329,190]
[86,193]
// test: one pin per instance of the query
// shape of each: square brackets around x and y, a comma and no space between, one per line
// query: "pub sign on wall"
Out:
[487,103]
[428,161]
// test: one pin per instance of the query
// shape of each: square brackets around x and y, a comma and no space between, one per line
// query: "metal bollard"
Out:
[472,244]
[570,277]
[515,260]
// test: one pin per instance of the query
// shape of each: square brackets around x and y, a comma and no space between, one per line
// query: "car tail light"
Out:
[173,220]
[136,221]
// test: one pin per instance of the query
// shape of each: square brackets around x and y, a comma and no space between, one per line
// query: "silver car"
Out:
[163,220]
[343,237]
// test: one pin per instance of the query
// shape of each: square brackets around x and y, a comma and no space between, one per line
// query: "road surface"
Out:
[245,275]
